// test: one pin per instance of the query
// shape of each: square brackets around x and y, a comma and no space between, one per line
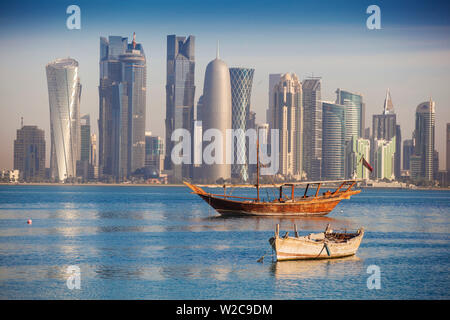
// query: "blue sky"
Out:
[410,54]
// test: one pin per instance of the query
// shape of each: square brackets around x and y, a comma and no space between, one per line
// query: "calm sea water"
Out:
[165,243]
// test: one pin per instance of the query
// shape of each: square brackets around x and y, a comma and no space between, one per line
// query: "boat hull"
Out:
[303,248]
[306,207]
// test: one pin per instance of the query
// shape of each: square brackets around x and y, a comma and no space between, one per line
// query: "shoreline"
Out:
[182,185]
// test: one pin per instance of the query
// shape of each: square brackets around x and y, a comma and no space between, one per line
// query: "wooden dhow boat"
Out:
[325,245]
[283,205]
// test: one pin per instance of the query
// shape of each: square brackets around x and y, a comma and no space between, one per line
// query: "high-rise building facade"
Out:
[113,110]
[29,153]
[354,113]
[134,75]
[355,150]
[288,120]
[333,141]
[84,165]
[216,115]
[241,80]
[354,124]
[122,91]
[180,91]
[154,152]
[385,128]
[274,79]
[408,151]
[383,159]
[85,134]
[424,140]
[312,127]
[64,93]
[447,167]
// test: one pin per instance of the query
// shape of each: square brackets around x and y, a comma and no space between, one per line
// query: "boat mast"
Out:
[257,165]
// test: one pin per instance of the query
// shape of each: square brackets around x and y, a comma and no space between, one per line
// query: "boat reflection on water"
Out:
[313,269]
[268,223]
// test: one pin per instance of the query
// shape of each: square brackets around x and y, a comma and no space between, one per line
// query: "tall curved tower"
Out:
[216,114]
[424,141]
[64,92]
[241,87]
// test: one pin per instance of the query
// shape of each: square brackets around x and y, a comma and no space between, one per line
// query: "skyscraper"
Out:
[408,151]
[288,119]
[384,125]
[29,153]
[312,127]
[216,115]
[64,92]
[180,91]
[424,141]
[385,128]
[333,141]
[122,90]
[447,167]
[355,149]
[154,152]
[241,88]
[383,158]
[354,111]
[398,152]
[134,75]
[113,110]
[85,129]
[274,79]
[83,165]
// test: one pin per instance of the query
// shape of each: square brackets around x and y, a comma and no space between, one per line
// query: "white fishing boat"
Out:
[323,245]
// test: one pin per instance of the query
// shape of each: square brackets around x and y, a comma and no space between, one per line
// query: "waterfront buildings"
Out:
[408,151]
[383,158]
[354,125]
[64,92]
[333,141]
[312,127]
[385,128]
[9,175]
[354,112]
[180,91]
[355,150]
[274,79]
[287,117]
[215,115]
[154,152]
[447,167]
[241,80]
[29,153]
[85,133]
[122,96]
[86,166]
[422,163]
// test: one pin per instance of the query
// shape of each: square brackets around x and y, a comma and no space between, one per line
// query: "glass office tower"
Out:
[122,108]
[424,140]
[333,141]
[64,92]
[180,91]
[241,88]
[312,127]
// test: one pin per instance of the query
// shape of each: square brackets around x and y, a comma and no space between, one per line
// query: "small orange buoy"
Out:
[29,221]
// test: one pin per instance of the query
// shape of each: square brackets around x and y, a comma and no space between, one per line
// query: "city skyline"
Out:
[368,50]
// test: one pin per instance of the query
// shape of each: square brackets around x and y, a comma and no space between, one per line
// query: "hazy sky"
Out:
[410,54]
